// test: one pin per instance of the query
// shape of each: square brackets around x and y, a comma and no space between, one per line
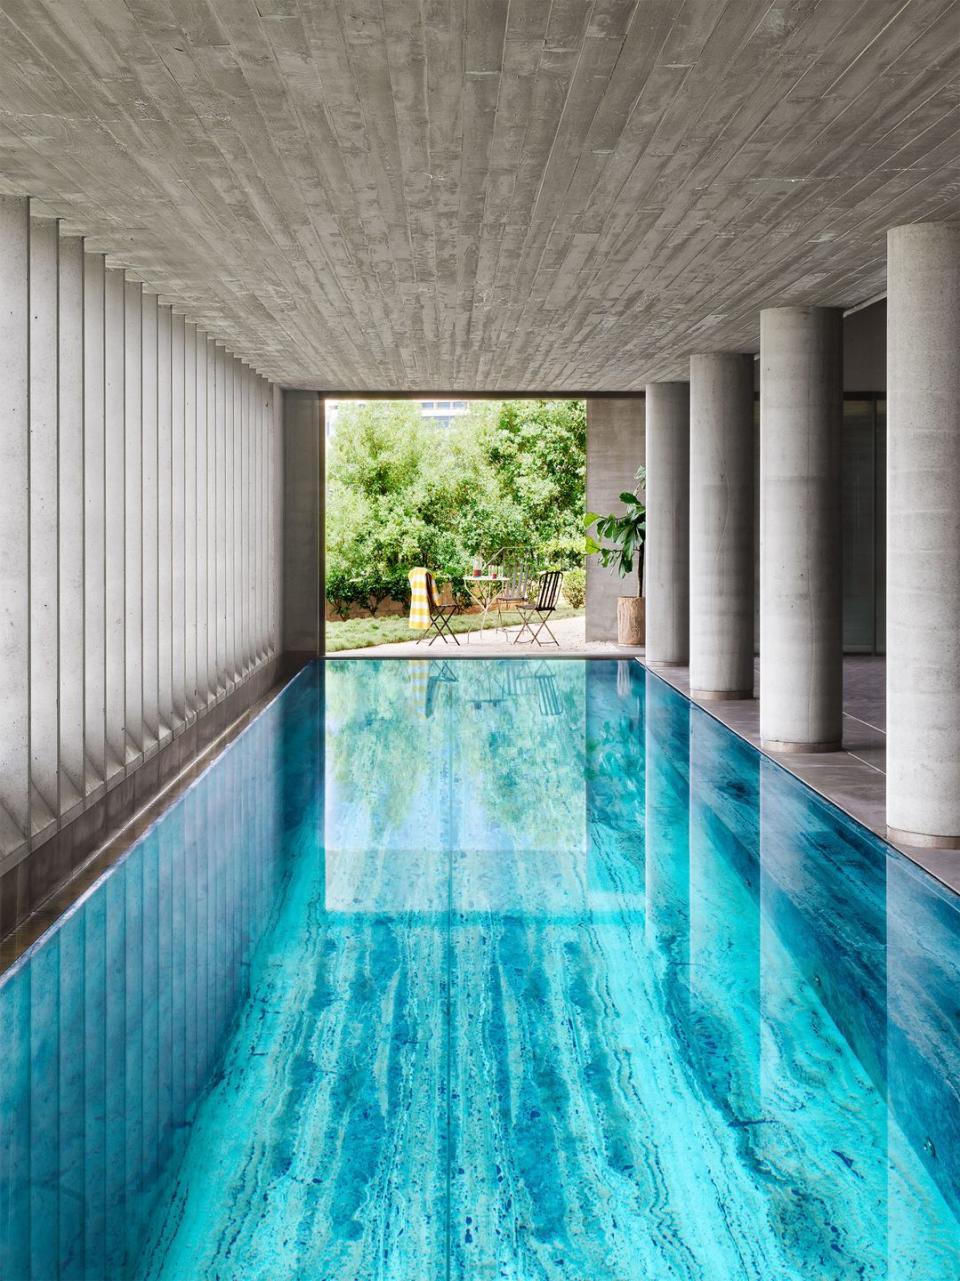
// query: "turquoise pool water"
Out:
[489,969]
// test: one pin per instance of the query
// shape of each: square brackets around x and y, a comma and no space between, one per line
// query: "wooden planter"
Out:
[631,620]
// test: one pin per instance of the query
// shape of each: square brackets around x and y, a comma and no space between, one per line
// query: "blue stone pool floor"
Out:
[493,969]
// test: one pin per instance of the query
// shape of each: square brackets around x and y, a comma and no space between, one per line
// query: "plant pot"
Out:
[631,620]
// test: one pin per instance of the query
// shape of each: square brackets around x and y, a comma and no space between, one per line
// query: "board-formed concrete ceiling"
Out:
[483,194]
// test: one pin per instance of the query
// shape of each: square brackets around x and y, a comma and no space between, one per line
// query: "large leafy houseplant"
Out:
[618,541]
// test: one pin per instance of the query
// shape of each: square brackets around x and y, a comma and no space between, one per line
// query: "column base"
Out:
[788,749]
[922,839]
[722,695]
[656,662]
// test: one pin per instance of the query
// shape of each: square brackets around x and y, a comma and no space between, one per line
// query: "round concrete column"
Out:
[801,412]
[923,534]
[721,526]
[668,513]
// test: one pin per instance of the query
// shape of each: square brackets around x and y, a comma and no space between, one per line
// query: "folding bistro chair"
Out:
[518,580]
[540,609]
[440,616]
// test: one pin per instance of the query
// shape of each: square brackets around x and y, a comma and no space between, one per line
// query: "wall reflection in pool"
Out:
[489,969]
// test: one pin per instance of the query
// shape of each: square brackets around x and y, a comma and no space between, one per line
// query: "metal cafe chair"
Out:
[535,614]
[440,616]
[518,579]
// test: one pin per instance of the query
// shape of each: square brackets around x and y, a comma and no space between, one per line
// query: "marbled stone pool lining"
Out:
[487,972]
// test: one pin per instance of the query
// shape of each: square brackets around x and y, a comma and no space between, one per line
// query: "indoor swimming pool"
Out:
[471,969]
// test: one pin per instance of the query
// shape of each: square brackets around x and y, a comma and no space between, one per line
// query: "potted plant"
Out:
[620,539]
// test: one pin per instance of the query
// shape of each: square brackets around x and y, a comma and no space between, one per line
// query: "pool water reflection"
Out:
[485,969]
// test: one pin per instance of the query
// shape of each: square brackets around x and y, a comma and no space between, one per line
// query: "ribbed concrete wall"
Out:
[139,537]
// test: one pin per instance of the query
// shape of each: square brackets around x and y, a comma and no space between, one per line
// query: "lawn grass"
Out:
[360,633]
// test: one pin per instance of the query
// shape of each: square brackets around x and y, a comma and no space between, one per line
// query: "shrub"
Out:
[575,587]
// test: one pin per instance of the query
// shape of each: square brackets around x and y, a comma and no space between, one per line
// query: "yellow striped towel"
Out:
[419,604]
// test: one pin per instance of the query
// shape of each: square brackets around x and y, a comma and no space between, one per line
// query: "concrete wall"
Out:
[615,449]
[865,349]
[303,490]
[139,519]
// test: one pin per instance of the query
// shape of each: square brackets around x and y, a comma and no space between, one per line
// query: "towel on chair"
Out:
[419,601]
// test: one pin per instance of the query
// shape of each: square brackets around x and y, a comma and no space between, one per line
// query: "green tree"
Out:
[402,492]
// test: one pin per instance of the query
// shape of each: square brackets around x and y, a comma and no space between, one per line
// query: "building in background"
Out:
[440,412]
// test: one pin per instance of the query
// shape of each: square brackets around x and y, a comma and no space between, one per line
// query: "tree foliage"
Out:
[403,492]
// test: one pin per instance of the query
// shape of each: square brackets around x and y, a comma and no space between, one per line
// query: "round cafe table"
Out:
[484,590]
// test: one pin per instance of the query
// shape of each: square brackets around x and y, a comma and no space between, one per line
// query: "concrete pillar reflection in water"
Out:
[667,873]
[923,1057]
[614,780]
[923,534]
[822,1002]
[725,920]
[801,414]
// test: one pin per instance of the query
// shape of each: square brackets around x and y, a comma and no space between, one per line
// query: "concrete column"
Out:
[202,686]
[213,598]
[190,519]
[219,479]
[133,518]
[151,526]
[71,523]
[236,535]
[721,526]
[923,534]
[615,449]
[668,516]
[165,515]
[276,517]
[229,499]
[801,413]
[94,584]
[44,519]
[14,523]
[115,686]
[303,440]
[259,480]
[177,525]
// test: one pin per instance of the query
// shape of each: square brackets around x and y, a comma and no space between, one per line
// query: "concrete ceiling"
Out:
[517,194]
